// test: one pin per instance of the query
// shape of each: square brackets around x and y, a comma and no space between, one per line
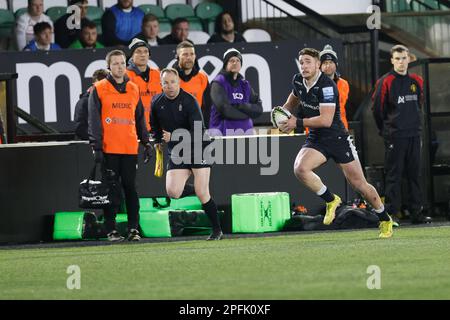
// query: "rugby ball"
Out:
[278,115]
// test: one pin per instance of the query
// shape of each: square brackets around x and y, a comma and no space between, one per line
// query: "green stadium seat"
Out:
[20,12]
[208,10]
[153,9]
[195,24]
[95,14]
[165,26]
[55,13]
[7,22]
[177,10]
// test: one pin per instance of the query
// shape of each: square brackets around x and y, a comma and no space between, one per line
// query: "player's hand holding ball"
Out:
[282,119]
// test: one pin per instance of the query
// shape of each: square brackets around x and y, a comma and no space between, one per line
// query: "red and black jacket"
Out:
[397,103]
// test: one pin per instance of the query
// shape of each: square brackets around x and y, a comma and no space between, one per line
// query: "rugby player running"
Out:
[318,100]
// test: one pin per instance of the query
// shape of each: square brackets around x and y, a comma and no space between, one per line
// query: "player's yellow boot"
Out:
[331,210]
[386,229]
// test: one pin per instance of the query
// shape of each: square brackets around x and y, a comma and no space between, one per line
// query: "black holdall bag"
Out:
[95,194]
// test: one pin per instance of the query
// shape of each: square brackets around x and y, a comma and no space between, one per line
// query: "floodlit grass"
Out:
[415,264]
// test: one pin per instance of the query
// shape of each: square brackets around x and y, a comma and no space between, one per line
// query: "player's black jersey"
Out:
[322,92]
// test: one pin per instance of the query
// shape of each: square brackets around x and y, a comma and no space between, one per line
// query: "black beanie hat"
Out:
[328,54]
[231,53]
[136,43]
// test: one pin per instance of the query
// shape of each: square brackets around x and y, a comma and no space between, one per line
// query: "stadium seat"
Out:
[153,9]
[7,23]
[208,11]
[199,37]
[95,14]
[19,12]
[55,13]
[165,26]
[174,11]
[256,35]
[165,3]
[195,24]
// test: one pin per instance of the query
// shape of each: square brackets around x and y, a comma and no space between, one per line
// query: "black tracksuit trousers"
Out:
[402,155]
[124,166]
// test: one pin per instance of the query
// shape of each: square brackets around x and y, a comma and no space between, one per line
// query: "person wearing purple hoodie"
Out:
[235,103]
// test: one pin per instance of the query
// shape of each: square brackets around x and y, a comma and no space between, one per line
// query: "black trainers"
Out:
[133,235]
[114,236]
[216,235]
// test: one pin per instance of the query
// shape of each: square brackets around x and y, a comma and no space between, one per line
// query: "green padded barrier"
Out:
[259,212]
[155,224]
[166,203]
[68,225]
[186,203]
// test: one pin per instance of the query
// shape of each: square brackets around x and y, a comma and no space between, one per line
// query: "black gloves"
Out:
[148,150]
[98,156]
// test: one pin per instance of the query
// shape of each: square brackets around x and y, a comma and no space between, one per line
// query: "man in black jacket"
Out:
[64,36]
[81,108]
[173,111]
[397,108]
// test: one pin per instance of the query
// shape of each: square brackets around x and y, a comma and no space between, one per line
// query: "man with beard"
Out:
[192,79]
[179,33]
[318,98]
[224,30]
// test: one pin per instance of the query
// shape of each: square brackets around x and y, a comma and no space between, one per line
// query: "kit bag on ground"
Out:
[100,194]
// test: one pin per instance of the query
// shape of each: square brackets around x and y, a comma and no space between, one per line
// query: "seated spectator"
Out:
[43,35]
[88,36]
[65,36]
[235,103]
[150,30]
[224,30]
[121,23]
[180,32]
[81,109]
[26,22]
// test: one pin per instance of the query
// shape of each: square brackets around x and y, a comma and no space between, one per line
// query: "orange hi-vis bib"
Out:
[147,90]
[196,86]
[118,117]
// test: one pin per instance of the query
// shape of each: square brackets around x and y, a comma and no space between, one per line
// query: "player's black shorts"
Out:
[177,163]
[339,148]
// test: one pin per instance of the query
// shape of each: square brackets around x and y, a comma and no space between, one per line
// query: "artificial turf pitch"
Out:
[414,264]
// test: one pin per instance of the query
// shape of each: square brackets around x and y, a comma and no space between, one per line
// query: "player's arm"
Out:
[291,102]
[325,119]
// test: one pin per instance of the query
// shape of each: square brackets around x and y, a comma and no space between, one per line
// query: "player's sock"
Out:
[211,211]
[325,194]
[188,190]
[382,214]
